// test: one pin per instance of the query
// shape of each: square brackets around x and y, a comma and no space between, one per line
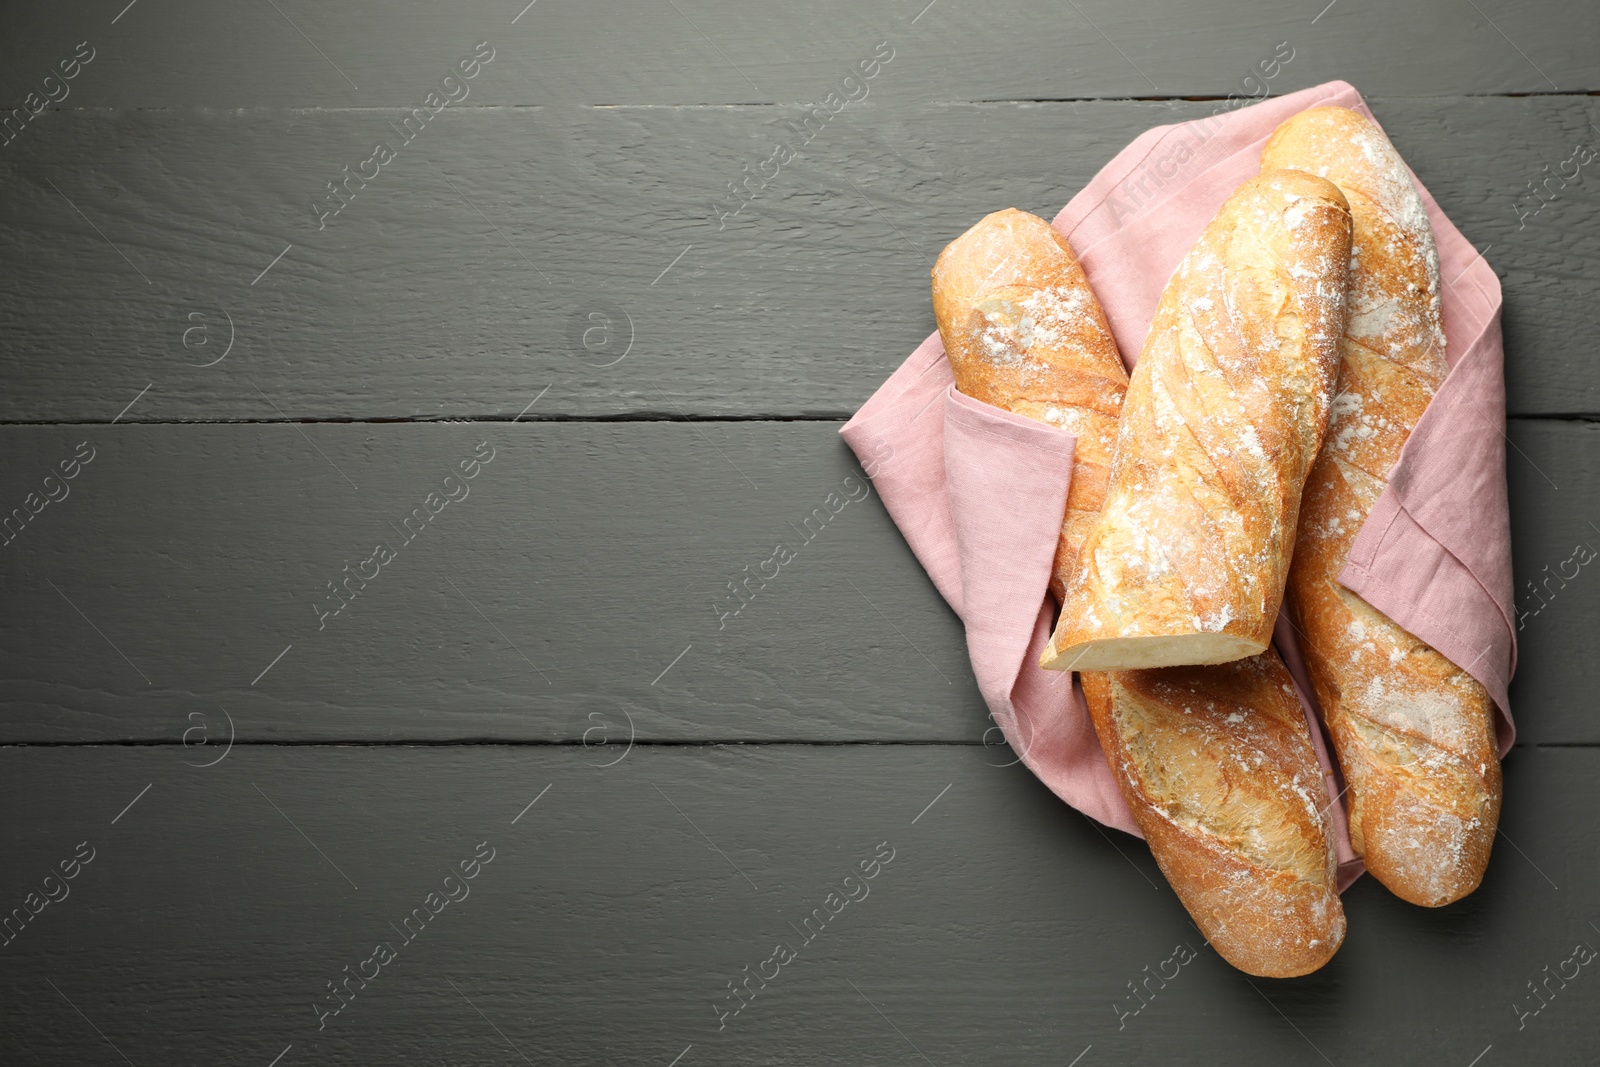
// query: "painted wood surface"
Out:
[305,53]
[573,401]
[577,587]
[616,910]
[587,250]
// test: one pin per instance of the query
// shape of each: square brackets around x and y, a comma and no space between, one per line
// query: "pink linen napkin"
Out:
[978,492]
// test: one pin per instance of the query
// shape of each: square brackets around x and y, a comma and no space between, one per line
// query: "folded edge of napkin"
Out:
[1008,478]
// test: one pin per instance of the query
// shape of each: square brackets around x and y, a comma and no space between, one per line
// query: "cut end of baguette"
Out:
[1140,653]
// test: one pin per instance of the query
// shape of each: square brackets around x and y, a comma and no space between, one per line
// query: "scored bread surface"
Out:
[1224,414]
[1024,332]
[1217,765]
[1216,762]
[1414,733]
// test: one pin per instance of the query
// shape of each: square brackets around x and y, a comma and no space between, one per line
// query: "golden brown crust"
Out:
[1217,765]
[1024,332]
[1224,414]
[1414,734]
[997,294]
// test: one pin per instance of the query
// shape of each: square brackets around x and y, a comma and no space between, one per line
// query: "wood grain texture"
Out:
[1554,528]
[546,604]
[318,54]
[583,561]
[467,276]
[553,239]
[1005,928]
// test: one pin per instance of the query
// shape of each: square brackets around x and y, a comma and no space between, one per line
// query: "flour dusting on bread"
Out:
[1414,733]
[1024,332]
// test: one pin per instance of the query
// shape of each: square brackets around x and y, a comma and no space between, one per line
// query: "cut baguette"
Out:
[1216,762]
[1224,414]
[1217,765]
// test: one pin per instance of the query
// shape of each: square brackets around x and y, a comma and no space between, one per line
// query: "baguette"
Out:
[1024,332]
[1222,795]
[1225,412]
[1217,765]
[1414,733]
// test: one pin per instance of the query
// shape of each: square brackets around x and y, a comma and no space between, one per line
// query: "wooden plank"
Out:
[559,599]
[719,51]
[1555,537]
[1005,928]
[582,562]
[507,250]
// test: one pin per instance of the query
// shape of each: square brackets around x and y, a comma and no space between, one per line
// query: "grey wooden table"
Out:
[539,349]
